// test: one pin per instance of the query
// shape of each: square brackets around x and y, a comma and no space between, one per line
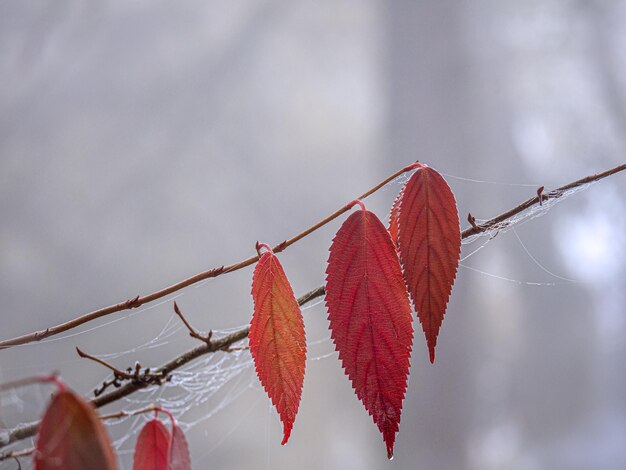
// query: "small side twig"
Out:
[472,221]
[542,197]
[16,454]
[126,414]
[52,378]
[235,348]
[118,373]
[114,382]
[132,374]
[192,331]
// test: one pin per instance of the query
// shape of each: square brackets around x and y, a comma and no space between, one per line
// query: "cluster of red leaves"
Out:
[372,271]
[159,449]
[71,435]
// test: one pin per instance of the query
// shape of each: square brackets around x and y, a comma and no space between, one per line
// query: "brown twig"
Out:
[554,194]
[214,345]
[223,343]
[540,195]
[157,377]
[38,379]
[192,331]
[117,372]
[236,348]
[128,414]
[472,221]
[141,300]
[147,377]
[15,454]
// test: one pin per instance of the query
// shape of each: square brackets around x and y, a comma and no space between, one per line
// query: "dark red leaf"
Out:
[179,450]
[370,318]
[430,245]
[152,448]
[72,436]
[277,340]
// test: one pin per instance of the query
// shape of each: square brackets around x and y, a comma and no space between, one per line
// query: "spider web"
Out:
[538,210]
[202,388]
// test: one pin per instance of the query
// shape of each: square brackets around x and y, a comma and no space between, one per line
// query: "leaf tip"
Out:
[286,434]
[432,344]
[390,440]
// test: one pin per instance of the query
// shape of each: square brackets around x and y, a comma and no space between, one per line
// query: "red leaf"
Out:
[152,448]
[179,450]
[370,318]
[430,245]
[394,215]
[72,436]
[277,340]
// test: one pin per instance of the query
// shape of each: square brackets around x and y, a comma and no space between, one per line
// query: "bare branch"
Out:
[554,194]
[52,378]
[192,332]
[141,300]
[15,454]
[126,414]
[220,344]
[116,371]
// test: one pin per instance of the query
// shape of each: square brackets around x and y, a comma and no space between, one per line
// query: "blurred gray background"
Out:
[142,142]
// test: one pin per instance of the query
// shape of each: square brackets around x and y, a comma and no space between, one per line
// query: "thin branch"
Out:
[236,348]
[134,374]
[314,294]
[127,414]
[214,345]
[192,331]
[38,379]
[225,342]
[116,371]
[554,194]
[141,300]
[15,454]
